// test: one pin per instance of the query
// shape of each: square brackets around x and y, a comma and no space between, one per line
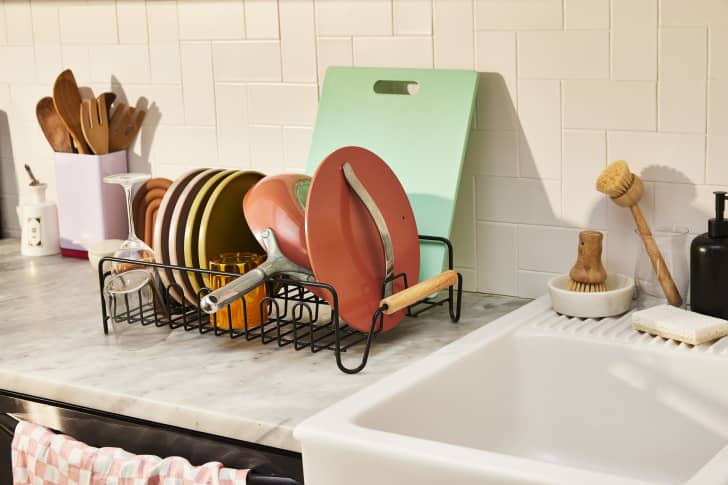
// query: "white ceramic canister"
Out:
[38,224]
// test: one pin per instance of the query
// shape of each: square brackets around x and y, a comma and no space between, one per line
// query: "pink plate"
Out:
[344,246]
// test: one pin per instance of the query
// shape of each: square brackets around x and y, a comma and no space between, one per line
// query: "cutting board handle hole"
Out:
[396,87]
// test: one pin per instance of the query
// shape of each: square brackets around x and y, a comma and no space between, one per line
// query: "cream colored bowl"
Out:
[615,301]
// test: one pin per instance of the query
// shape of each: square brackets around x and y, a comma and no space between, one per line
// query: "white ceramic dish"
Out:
[592,305]
[100,249]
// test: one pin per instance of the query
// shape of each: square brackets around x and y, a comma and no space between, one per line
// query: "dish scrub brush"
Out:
[626,189]
[678,324]
[588,275]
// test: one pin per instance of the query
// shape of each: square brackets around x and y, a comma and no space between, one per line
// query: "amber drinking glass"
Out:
[240,263]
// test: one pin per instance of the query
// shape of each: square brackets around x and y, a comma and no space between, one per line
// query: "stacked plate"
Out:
[199,218]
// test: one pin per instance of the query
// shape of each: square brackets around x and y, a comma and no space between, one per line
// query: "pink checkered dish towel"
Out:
[41,457]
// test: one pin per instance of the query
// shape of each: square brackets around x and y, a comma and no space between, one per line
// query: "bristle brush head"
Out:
[616,179]
[587,287]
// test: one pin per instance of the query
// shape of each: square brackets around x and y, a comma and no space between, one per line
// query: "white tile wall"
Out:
[566,86]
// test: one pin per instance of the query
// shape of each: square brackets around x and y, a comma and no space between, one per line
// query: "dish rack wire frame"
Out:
[294,315]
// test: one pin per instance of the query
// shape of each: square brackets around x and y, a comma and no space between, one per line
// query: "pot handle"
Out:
[393,304]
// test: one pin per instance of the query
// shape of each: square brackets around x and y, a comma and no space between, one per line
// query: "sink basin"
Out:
[534,397]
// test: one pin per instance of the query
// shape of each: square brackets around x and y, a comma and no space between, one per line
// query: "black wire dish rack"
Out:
[294,315]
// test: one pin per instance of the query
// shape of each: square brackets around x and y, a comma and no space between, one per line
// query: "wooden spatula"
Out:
[67,100]
[124,126]
[52,126]
[95,125]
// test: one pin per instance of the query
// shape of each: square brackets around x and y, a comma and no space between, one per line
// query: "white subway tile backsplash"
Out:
[518,200]
[453,44]
[718,61]
[167,98]
[296,144]
[614,105]
[211,20]
[683,53]
[3,28]
[412,17]
[547,249]
[634,40]
[694,12]
[493,152]
[661,157]
[270,104]
[681,106]
[189,146]
[78,60]
[393,52]
[231,101]
[497,258]
[539,110]
[586,14]
[164,58]
[298,40]
[585,155]
[88,22]
[470,282]
[261,19]
[197,83]
[571,54]
[685,206]
[266,149]
[46,28]
[22,60]
[717,156]
[518,15]
[162,21]
[463,227]
[353,17]
[496,105]
[131,16]
[19,24]
[128,63]
[333,51]
[47,62]
[252,61]
[532,284]
[495,52]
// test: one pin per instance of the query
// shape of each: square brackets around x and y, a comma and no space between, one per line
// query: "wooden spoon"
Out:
[52,125]
[67,100]
[124,126]
[95,124]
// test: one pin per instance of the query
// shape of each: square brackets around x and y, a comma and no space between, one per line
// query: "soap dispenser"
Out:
[709,265]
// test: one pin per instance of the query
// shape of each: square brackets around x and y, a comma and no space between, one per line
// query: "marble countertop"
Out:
[53,346]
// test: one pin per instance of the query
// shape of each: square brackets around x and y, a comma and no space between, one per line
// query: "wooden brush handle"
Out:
[658,263]
[393,304]
[588,267]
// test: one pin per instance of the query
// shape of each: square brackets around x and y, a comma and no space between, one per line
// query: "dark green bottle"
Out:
[709,265]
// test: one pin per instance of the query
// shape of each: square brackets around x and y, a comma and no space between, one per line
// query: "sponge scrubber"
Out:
[677,324]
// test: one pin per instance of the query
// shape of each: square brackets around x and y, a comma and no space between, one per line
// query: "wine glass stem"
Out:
[129,214]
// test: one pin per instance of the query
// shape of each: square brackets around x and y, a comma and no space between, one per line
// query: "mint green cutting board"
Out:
[421,136]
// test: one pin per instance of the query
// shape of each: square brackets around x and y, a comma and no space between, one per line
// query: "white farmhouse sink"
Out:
[534,398]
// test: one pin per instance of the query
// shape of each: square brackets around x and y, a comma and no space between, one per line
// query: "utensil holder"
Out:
[89,209]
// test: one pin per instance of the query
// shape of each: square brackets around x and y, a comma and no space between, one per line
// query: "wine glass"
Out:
[131,287]
[133,247]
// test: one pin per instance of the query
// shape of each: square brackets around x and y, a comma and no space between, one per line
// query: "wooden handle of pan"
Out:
[658,263]
[393,304]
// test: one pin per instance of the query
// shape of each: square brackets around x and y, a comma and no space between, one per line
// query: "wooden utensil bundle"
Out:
[75,125]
